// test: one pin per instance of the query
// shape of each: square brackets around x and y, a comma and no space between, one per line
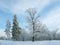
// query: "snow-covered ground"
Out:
[3,42]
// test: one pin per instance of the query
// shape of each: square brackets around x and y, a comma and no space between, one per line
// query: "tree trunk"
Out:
[33,38]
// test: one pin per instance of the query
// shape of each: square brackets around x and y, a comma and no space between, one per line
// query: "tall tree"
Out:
[7,30]
[15,29]
[33,19]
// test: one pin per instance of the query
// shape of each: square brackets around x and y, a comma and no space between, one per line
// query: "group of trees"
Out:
[38,31]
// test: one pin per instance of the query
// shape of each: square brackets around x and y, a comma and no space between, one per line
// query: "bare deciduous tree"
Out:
[33,20]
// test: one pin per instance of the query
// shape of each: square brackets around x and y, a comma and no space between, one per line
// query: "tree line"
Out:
[38,31]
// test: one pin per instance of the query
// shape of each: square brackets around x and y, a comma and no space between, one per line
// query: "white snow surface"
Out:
[4,42]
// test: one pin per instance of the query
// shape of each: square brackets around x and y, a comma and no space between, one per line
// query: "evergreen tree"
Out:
[7,30]
[15,29]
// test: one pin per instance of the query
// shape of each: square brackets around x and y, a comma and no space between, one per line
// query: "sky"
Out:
[49,11]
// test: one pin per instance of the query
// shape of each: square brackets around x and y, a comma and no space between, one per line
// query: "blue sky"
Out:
[49,10]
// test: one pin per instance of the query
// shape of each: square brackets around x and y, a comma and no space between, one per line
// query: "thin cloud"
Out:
[18,6]
[2,33]
[52,19]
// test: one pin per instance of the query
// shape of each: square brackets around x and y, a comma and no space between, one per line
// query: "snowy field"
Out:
[2,42]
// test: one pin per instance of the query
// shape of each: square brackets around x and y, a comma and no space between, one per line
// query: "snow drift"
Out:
[3,42]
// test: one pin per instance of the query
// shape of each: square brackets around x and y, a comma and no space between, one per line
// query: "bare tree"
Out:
[33,20]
